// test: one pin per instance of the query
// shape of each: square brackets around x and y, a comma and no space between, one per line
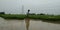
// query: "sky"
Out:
[35,6]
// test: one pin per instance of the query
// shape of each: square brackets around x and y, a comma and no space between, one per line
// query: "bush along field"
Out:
[23,16]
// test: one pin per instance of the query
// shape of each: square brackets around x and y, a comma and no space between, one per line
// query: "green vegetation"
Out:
[42,17]
[46,17]
[13,16]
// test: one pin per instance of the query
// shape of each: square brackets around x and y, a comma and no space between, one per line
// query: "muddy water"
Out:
[20,25]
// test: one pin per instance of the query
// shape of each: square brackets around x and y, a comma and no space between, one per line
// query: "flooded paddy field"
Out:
[14,24]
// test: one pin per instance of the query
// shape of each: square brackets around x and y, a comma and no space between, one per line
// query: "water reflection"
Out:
[27,21]
[54,22]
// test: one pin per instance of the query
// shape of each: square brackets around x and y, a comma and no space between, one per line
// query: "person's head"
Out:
[28,10]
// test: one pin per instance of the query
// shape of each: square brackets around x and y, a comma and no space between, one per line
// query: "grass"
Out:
[42,17]
[13,16]
[45,17]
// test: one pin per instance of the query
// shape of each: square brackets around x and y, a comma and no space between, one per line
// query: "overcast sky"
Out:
[36,6]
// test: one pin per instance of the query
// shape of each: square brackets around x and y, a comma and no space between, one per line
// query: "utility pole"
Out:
[22,9]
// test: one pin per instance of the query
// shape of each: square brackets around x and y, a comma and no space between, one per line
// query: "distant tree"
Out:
[41,14]
[2,12]
[32,14]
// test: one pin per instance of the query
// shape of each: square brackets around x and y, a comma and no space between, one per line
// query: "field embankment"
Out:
[42,17]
